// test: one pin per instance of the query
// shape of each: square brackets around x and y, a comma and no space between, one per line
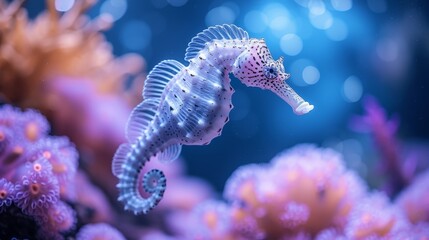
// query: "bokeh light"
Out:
[316,7]
[321,21]
[297,72]
[352,89]
[338,31]
[291,44]
[310,75]
[116,8]
[220,15]
[280,21]
[342,5]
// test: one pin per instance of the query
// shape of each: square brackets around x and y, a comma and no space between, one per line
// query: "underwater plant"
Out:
[190,106]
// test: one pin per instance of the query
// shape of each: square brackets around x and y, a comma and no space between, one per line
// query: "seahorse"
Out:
[190,106]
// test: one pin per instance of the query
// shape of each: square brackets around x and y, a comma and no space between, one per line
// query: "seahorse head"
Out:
[255,67]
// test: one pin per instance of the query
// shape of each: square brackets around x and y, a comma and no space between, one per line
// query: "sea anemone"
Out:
[99,231]
[36,192]
[7,190]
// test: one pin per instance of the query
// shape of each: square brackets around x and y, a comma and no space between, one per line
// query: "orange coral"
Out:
[34,53]
[61,64]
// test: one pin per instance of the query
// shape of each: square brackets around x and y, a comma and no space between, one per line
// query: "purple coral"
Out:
[31,124]
[99,231]
[63,157]
[36,191]
[7,190]
[383,131]
[60,218]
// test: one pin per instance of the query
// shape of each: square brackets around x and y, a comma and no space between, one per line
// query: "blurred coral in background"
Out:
[60,64]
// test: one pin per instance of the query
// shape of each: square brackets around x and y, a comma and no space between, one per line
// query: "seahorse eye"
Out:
[270,71]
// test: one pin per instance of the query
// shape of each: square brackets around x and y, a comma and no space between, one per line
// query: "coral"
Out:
[214,220]
[34,53]
[62,156]
[93,205]
[383,131]
[36,191]
[303,189]
[100,231]
[30,181]
[60,218]
[60,64]
[32,125]
[7,191]
[375,217]
[414,200]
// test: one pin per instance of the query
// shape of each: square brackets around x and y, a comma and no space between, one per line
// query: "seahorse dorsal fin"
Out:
[226,31]
[154,86]
[159,77]
[170,153]
[140,118]
[120,158]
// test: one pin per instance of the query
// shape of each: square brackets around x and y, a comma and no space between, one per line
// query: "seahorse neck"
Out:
[223,53]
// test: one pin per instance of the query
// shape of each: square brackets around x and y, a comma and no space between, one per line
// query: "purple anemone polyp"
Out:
[36,191]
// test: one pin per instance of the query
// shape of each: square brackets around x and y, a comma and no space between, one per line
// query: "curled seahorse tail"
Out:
[153,181]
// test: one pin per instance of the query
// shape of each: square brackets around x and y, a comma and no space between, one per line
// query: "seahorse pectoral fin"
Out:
[170,153]
[298,104]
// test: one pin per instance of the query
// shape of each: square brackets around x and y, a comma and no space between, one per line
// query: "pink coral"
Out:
[214,221]
[374,217]
[60,218]
[99,231]
[414,200]
[303,189]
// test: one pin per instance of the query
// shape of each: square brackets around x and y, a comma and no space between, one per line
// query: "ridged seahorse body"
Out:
[190,105]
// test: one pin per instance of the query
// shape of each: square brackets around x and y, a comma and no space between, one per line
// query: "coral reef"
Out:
[303,193]
[414,200]
[60,63]
[38,197]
